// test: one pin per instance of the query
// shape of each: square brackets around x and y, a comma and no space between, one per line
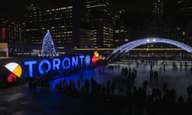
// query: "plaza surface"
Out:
[177,74]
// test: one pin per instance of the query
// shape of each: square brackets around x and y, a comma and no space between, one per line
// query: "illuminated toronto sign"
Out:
[44,66]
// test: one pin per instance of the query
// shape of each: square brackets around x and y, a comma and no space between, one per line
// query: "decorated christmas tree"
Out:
[48,48]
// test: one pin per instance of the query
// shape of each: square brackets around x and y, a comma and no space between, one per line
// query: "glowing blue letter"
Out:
[68,65]
[74,61]
[44,70]
[87,60]
[30,64]
[81,58]
[56,64]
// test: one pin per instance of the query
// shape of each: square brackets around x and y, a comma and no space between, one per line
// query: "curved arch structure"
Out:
[122,50]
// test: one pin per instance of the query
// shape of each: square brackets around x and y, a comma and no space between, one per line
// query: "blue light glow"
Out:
[87,60]
[66,63]
[44,67]
[75,61]
[30,67]
[56,64]
[81,58]
[86,74]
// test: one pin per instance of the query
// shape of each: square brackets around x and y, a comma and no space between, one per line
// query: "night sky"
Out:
[14,8]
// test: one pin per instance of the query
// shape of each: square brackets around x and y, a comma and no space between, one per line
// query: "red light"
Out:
[94,60]
[96,57]
[11,78]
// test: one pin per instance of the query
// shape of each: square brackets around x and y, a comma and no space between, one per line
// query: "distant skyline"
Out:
[15,8]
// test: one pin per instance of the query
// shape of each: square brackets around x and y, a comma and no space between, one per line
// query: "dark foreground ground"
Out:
[25,101]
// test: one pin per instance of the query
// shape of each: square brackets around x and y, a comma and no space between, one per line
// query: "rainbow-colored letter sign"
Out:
[15,71]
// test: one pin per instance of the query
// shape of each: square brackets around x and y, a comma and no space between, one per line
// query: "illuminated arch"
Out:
[122,50]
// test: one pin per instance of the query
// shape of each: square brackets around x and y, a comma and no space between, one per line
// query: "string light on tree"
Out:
[48,47]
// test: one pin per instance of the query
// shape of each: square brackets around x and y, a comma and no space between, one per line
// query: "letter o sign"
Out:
[44,67]
[66,63]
